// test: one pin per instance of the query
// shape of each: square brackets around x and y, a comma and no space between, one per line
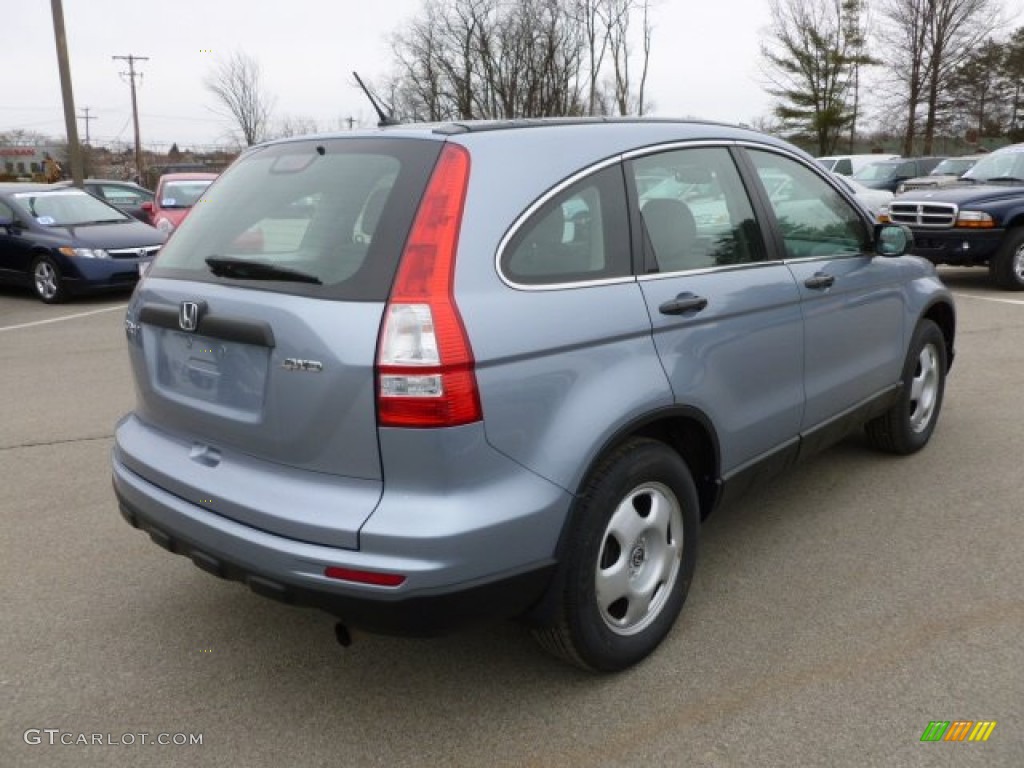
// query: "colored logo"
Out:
[958,730]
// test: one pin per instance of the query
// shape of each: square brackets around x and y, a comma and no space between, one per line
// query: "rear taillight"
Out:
[425,374]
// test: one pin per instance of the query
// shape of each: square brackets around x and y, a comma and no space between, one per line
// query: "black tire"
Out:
[908,425]
[46,281]
[636,527]
[1007,267]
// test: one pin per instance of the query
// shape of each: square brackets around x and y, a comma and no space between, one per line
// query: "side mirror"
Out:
[893,239]
[147,206]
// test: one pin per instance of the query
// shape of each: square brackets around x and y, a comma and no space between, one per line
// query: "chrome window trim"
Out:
[533,208]
[828,257]
[709,270]
[653,149]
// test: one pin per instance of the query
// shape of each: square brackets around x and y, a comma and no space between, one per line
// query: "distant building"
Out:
[27,162]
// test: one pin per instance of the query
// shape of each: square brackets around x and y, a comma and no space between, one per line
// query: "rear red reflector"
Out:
[364,577]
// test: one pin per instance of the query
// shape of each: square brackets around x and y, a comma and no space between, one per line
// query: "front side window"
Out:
[814,219]
[581,234]
[698,216]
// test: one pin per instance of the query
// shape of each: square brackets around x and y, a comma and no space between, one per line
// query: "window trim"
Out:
[535,206]
[748,176]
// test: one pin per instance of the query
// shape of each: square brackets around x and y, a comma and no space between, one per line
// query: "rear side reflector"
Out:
[364,577]
[425,366]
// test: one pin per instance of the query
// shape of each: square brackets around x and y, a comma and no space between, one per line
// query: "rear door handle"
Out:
[819,281]
[682,304]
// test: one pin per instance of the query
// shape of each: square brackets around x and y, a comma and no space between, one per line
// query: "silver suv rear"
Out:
[428,375]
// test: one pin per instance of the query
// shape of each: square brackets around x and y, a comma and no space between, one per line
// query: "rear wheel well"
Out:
[942,315]
[694,443]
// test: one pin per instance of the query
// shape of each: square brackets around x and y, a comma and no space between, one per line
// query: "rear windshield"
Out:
[183,194]
[335,212]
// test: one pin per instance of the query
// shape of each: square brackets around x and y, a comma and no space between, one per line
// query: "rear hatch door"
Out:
[253,336]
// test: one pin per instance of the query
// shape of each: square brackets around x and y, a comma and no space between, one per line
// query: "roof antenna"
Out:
[385,117]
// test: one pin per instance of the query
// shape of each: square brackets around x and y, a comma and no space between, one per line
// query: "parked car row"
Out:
[963,211]
[897,174]
[62,241]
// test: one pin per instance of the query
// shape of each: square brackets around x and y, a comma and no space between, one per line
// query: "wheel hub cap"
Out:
[639,559]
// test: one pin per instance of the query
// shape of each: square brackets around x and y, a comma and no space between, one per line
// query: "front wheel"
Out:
[1007,266]
[46,281]
[908,425]
[630,561]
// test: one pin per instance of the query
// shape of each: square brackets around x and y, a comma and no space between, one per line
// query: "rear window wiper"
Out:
[258,270]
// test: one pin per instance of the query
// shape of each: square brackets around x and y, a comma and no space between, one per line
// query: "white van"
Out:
[847,165]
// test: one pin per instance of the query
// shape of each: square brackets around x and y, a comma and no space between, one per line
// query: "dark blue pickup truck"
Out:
[979,220]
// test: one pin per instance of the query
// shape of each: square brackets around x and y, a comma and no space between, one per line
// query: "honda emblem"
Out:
[188,316]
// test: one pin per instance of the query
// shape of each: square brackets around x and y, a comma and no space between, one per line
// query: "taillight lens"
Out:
[425,367]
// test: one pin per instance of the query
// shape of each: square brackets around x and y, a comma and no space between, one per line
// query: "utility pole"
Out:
[74,154]
[87,117]
[131,73]
[87,152]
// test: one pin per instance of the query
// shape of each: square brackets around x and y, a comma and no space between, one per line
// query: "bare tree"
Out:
[590,16]
[463,59]
[618,18]
[928,40]
[957,28]
[238,85]
[904,36]
[295,125]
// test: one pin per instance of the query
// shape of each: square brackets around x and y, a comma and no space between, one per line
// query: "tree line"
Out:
[494,59]
[935,67]
[920,68]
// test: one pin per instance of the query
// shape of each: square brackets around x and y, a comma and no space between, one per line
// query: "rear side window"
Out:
[844,166]
[335,211]
[581,234]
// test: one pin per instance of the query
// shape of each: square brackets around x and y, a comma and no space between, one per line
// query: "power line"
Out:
[131,73]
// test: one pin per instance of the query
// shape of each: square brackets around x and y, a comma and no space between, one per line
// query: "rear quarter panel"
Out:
[559,371]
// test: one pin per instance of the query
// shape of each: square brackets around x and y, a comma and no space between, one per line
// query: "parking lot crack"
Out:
[43,443]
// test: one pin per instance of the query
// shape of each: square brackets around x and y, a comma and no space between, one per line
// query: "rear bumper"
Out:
[957,246]
[452,579]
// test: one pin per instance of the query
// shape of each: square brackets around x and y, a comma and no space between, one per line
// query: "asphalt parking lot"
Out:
[834,614]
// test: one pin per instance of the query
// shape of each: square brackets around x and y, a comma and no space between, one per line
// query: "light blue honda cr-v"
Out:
[426,375]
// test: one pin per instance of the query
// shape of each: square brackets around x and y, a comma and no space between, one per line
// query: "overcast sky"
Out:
[705,61]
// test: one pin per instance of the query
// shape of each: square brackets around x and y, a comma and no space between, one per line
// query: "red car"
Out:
[176,193]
